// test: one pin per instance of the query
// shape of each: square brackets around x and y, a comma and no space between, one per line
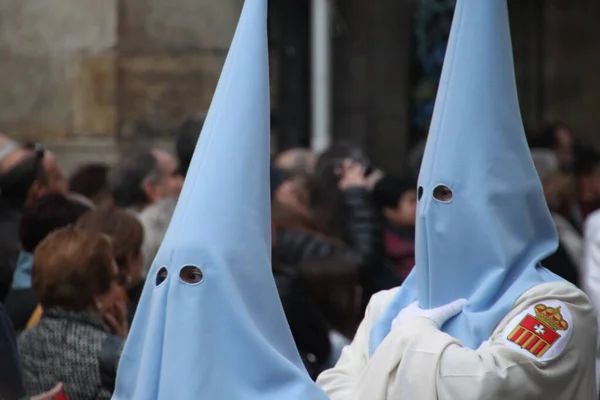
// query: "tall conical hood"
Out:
[483,238]
[210,323]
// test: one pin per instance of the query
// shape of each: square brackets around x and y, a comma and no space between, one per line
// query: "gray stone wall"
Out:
[94,78]
[57,67]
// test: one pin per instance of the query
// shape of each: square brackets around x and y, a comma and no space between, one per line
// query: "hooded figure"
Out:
[209,324]
[478,317]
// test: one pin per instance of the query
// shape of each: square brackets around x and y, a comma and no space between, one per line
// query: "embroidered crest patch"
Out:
[541,331]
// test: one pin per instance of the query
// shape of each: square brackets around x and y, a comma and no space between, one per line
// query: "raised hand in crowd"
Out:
[351,175]
[115,316]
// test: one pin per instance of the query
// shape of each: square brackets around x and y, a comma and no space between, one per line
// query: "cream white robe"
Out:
[590,276]
[416,361]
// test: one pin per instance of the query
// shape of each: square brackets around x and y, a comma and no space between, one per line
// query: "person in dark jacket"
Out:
[307,325]
[298,237]
[396,198]
[19,170]
[342,206]
[26,174]
[11,381]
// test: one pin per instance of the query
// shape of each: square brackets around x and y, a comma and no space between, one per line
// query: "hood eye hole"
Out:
[191,275]
[419,192]
[161,275]
[442,193]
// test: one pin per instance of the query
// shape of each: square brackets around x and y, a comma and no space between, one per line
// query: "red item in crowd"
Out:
[401,251]
[61,396]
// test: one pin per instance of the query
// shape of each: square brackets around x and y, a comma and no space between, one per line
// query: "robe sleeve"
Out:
[417,361]
[339,383]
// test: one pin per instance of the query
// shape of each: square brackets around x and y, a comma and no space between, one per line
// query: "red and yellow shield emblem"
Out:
[537,333]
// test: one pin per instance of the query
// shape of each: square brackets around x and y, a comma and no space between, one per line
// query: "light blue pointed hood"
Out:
[485,244]
[227,336]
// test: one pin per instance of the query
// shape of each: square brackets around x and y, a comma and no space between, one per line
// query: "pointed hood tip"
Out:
[225,179]
[223,298]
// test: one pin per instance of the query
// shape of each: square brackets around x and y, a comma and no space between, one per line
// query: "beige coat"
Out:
[416,361]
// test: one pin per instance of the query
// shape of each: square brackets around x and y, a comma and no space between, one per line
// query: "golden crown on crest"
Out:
[551,317]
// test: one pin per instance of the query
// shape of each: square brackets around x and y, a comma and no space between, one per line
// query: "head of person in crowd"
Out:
[298,161]
[6,146]
[143,179]
[45,215]
[90,180]
[55,175]
[75,270]
[40,218]
[286,191]
[325,194]
[559,138]
[155,220]
[559,187]
[187,137]
[127,236]
[28,173]
[396,198]
[587,175]
[287,209]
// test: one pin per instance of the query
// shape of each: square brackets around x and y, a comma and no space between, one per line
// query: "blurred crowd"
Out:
[75,251]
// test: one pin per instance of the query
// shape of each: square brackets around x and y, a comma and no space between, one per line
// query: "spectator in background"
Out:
[396,198]
[144,178]
[187,137]
[156,217]
[11,382]
[155,220]
[296,241]
[39,219]
[296,162]
[90,180]
[7,145]
[341,201]
[55,177]
[75,278]
[559,191]
[558,137]
[26,174]
[288,192]
[587,173]
[127,235]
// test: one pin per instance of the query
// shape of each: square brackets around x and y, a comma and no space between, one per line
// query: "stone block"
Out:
[177,26]
[94,94]
[77,151]
[42,26]
[36,100]
[157,92]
